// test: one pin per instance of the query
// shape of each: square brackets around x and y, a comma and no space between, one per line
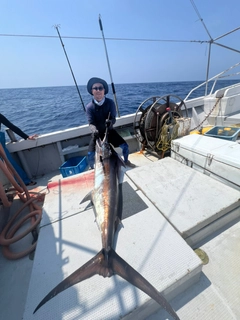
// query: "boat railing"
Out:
[221,75]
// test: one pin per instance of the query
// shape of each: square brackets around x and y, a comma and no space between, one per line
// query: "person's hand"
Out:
[95,134]
[109,124]
[33,137]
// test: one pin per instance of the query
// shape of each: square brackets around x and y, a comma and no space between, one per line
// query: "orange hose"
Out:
[17,255]
[9,171]
[7,239]
[4,197]
[7,235]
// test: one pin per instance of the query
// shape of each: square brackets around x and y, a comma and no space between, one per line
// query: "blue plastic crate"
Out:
[73,166]
[228,133]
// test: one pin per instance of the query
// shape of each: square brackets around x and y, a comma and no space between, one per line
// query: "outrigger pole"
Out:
[112,84]
[57,26]
[212,41]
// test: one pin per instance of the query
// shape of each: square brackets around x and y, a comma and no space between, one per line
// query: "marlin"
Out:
[107,262]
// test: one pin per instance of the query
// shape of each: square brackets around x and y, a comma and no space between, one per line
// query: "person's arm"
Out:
[90,117]
[15,129]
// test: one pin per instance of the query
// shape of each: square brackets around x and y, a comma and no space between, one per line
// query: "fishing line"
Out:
[56,27]
[97,38]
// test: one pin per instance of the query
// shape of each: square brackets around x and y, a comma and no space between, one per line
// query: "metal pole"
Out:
[208,66]
[112,84]
[56,26]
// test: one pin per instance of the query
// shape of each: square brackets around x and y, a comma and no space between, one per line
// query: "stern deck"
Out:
[157,241]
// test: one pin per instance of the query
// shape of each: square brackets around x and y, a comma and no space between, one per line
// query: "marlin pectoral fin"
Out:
[87,197]
[88,206]
[88,270]
[124,270]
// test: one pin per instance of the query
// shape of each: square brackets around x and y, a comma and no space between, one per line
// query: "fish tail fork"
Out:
[107,266]
[124,270]
[89,269]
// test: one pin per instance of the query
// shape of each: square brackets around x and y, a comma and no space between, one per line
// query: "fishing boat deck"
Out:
[159,241]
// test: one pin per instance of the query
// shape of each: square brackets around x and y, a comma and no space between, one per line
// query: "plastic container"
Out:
[73,166]
[227,133]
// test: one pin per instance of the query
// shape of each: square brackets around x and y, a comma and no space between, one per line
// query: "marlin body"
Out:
[107,262]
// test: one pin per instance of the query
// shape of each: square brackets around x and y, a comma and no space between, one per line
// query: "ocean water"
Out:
[50,109]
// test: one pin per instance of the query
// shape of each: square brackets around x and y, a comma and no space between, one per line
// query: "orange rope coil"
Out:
[7,236]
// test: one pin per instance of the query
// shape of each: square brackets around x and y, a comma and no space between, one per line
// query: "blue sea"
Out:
[44,110]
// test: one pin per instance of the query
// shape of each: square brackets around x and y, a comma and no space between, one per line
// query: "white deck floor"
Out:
[69,237]
[154,247]
[216,296]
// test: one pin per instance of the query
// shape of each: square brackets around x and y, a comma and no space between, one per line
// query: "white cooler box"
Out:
[215,157]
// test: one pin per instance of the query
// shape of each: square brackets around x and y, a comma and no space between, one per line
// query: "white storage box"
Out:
[215,157]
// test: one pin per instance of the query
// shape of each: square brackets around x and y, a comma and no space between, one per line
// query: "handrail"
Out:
[215,78]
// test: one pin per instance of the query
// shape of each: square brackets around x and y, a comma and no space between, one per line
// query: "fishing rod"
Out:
[56,27]
[112,84]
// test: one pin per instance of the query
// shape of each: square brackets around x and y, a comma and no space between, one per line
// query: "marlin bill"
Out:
[105,198]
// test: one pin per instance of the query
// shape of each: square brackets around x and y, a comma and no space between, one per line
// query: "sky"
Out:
[32,55]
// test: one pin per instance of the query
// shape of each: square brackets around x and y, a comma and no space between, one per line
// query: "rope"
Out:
[168,133]
[7,236]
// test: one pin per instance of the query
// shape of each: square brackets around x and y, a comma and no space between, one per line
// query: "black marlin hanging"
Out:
[107,262]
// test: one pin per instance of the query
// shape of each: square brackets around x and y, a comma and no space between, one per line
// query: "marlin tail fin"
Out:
[88,270]
[124,270]
[107,267]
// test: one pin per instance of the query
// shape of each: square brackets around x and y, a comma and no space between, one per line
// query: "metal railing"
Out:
[217,77]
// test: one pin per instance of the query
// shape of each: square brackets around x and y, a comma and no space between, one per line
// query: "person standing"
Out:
[101,111]
[10,125]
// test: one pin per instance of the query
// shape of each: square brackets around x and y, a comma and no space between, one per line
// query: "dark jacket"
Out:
[10,125]
[97,115]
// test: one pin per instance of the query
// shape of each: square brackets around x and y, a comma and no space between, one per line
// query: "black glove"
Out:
[109,124]
[95,134]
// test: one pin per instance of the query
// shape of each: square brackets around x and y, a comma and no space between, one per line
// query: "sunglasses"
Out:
[98,88]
